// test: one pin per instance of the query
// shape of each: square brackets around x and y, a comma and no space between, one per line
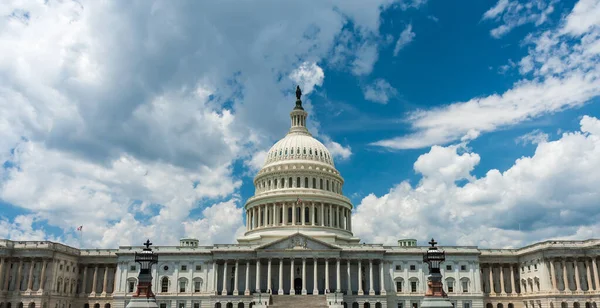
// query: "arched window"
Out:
[229,305]
[164,285]
[275,183]
[355,305]
[304,151]
[131,285]
[321,182]
[182,285]
[367,305]
[500,305]
[489,305]
[96,305]
[32,305]
[218,305]
[564,305]
[399,282]
[298,182]
[240,305]
[107,305]
[314,183]
[290,182]
[292,151]
[327,184]
[378,305]
[305,182]
[197,285]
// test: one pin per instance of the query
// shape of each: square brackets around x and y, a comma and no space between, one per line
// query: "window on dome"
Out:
[297,150]
[282,182]
[280,152]
[298,182]
[314,183]
[292,151]
[321,180]
[304,151]
[290,183]
[310,151]
[269,184]
[305,182]
[275,183]
[306,215]
[285,152]
[327,184]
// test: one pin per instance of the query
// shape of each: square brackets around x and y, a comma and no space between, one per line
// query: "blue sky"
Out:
[475,122]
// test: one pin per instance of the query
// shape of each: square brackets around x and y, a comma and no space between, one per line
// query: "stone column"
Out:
[502,291]
[312,215]
[247,221]
[269,287]
[235,279]
[565,278]
[18,281]
[350,220]
[315,282]
[105,280]
[84,282]
[257,275]
[304,276]
[280,291]
[247,286]
[2,266]
[292,291]
[330,215]
[30,277]
[371,290]
[577,282]
[43,275]
[225,280]
[588,275]
[349,277]
[381,280]
[491,279]
[512,280]
[284,209]
[338,282]
[326,276]
[596,273]
[553,276]
[360,290]
[293,214]
[302,214]
[322,215]
[7,275]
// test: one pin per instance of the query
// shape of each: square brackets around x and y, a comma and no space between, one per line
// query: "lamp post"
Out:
[435,297]
[143,297]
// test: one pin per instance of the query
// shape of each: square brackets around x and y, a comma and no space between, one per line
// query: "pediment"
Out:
[298,242]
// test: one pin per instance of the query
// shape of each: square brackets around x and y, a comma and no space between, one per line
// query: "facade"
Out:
[299,244]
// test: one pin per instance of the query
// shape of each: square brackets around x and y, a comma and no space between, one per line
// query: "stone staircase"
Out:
[299,301]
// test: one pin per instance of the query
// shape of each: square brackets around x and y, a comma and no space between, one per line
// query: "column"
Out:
[18,281]
[326,276]
[105,280]
[30,278]
[6,274]
[43,274]
[235,279]
[2,266]
[491,279]
[257,275]
[84,282]
[312,213]
[330,215]
[247,286]
[303,275]
[292,291]
[247,221]
[371,290]
[315,282]
[349,277]
[280,291]
[596,273]
[588,275]
[284,209]
[273,216]
[360,290]
[553,276]
[269,287]
[302,214]
[349,220]
[381,281]
[565,279]
[293,215]
[577,282]
[338,282]
[502,291]
[224,291]
[322,214]
[512,280]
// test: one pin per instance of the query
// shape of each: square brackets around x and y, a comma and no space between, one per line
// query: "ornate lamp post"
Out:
[435,297]
[144,297]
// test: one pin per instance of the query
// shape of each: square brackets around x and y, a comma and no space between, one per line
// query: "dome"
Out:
[298,146]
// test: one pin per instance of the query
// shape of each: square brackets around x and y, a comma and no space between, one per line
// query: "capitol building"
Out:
[299,250]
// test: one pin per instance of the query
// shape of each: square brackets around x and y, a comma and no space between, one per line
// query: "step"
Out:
[299,301]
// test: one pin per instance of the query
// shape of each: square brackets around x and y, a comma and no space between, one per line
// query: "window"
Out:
[398,267]
[166,268]
[450,286]
[196,305]
[163,305]
[131,286]
[305,182]
[290,183]
[132,268]
[463,267]
[448,267]
[399,305]
[413,286]
[321,182]
[413,268]
[182,286]
[297,182]
[60,267]
[275,183]
[164,285]
[181,305]
[528,267]
[465,286]
[68,268]
[184,267]
[314,183]
[466,304]
[197,286]
[399,286]
[535,266]
[198,267]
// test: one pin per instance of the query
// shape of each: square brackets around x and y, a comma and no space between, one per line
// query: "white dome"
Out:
[299,146]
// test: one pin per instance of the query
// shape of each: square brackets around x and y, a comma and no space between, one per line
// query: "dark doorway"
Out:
[298,285]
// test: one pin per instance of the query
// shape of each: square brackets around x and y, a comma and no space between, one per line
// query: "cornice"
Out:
[292,194]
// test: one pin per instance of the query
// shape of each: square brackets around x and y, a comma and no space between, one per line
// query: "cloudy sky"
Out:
[477,123]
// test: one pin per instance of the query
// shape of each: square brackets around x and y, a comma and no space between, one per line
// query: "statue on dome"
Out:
[298,92]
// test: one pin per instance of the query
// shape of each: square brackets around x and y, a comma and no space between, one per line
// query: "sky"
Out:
[474,122]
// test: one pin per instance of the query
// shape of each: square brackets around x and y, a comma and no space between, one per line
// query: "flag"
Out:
[298,201]
[80,228]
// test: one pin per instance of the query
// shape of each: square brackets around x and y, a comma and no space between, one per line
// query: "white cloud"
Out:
[405,37]
[550,195]
[308,75]
[565,74]
[514,13]
[534,137]
[584,17]
[380,91]
[337,150]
